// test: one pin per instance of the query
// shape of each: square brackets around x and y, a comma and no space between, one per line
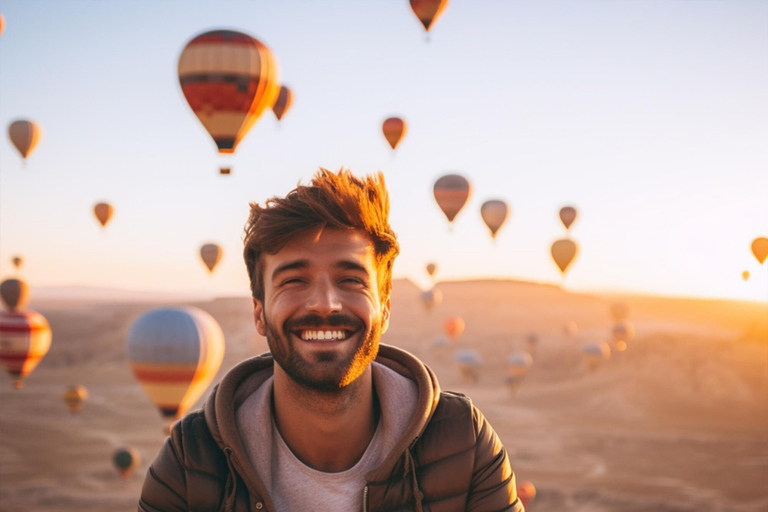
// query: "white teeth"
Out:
[322,335]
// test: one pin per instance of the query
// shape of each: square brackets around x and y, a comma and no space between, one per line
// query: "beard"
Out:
[328,370]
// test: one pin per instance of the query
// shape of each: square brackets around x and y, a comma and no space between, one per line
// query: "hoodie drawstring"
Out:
[410,466]
[230,486]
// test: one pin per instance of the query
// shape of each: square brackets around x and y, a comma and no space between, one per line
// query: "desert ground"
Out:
[677,422]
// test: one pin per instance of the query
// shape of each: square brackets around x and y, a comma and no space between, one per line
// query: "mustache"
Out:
[332,320]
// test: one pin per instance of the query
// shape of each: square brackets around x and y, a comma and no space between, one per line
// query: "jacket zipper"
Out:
[365,499]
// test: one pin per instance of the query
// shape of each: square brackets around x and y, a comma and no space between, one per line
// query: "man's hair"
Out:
[337,200]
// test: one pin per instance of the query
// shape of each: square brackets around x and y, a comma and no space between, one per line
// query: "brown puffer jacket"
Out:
[450,459]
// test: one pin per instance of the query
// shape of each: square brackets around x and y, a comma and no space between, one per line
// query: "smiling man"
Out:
[329,420]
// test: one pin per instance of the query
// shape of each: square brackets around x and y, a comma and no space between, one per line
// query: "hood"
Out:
[245,378]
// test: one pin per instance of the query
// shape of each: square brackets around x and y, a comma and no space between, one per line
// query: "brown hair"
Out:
[338,200]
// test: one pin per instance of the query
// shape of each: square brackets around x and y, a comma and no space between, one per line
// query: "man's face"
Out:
[322,314]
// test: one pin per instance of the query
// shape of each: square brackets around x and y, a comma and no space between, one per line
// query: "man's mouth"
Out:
[324,334]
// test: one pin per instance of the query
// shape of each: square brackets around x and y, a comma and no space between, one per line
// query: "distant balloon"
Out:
[74,397]
[494,214]
[454,327]
[126,460]
[563,252]
[595,354]
[25,338]
[103,213]
[451,193]
[518,366]
[428,11]
[760,249]
[567,216]
[431,298]
[229,79]
[174,353]
[283,102]
[17,261]
[14,294]
[211,255]
[526,492]
[431,269]
[623,331]
[470,362]
[225,171]
[619,311]
[394,130]
[2,23]
[24,135]
[571,329]
[745,275]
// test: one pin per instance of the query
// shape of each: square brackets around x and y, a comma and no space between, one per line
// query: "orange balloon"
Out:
[394,130]
[526,492]
[563,252]
[760,249]
[428,11]
[25,338]
[74,397]
[283,102]
[229,79]
[24,135]
[2,23]
[454,327]
[103,213]
[567,216]
[431,269]
[745,275]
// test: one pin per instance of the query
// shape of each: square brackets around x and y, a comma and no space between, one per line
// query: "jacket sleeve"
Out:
[165,486]
[493,482]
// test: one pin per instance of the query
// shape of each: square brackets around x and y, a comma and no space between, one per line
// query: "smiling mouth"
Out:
[324,334]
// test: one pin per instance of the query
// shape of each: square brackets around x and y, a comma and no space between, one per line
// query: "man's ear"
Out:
[258,317]
[385,312]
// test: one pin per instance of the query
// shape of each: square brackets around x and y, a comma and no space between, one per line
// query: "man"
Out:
[329,420]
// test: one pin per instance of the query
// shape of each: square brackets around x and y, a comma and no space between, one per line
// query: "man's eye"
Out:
[352,280]
[292,280]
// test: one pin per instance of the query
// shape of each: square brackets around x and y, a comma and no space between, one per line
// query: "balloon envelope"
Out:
[283,102]
[563,252]
[431,269]
[454,327]
[74,396]
[17,262]
[623,331]
[211,255]
[427,11]
[745,275]
[14,293]
[174,353]
[567,216]
[25,338]
[228,79]
[595,354]
[469,362]
[760,249]
[526,492]
[394,130]
[24,135]
[494,214]
[451,193]
[103,213]
[126,460]
[431,298]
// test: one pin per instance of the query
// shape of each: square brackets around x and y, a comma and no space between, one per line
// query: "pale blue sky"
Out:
[649,116]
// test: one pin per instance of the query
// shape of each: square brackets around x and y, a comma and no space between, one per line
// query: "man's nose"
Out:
[324,298]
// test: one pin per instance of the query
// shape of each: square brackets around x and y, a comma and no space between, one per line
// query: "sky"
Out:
[651,118]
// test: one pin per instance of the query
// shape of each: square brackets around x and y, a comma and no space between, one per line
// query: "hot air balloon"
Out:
[619,311]
[126,460]
[74,397]
[451,193]
[431,298]
[174,353]
[454,327]
[567,216]
[14,293]
[518,365]
[17,262]
[745,275]
[494,214]
[225,171]
[428,11]
[526,492]
[211,255]
[623,331]
[563,252]
[2,23]
[760,249]
[103,213]
[470,362]
[25,338]
[394,130]
[283,102]
[595,354]
[431,269]
[228,78]
[24,135]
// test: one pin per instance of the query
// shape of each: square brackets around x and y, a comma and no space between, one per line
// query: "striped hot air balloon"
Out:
[25,338]
[228,79]
[451,193]
[24,135]
[174,353]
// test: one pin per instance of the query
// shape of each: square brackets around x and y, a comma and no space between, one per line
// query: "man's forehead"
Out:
[326,246]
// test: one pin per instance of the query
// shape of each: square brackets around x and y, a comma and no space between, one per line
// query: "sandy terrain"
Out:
[678,422]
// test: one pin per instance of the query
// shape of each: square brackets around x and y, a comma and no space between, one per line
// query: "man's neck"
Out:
[327,431]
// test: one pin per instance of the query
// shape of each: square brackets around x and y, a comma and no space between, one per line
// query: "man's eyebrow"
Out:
[291,265]
[350,265]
